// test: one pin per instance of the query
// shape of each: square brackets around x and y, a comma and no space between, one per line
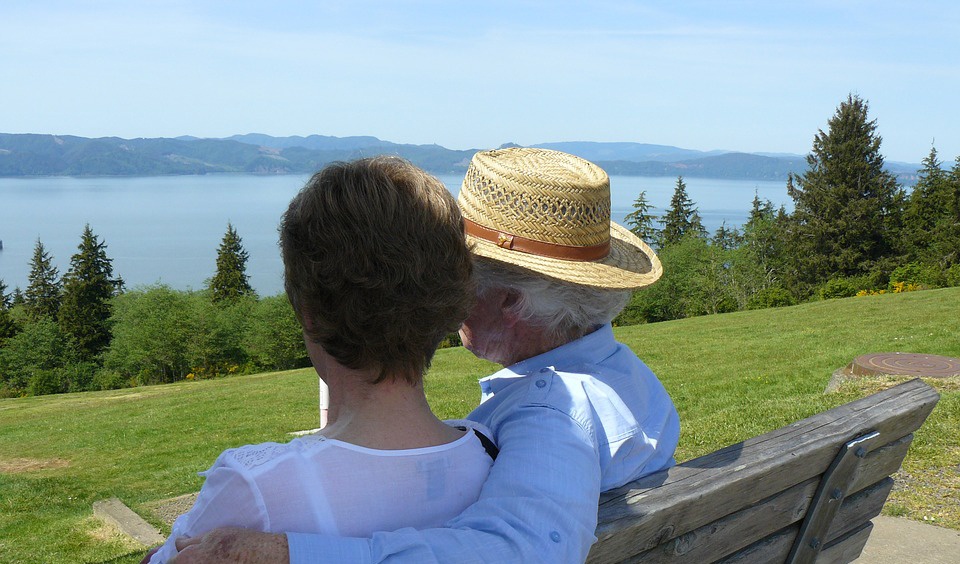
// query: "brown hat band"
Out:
[529,246]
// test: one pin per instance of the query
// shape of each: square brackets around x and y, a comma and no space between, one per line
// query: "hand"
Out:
[146,559]
[229,544]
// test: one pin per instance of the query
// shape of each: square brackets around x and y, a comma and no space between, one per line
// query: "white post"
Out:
[324,402]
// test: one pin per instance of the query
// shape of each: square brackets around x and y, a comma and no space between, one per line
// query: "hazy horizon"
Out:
[749,77]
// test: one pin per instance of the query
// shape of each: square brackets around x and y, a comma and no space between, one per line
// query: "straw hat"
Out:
[549,212]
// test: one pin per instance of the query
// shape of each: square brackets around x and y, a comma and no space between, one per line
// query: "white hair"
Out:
[565,311]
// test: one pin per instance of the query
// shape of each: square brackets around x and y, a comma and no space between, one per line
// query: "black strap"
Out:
[488,445]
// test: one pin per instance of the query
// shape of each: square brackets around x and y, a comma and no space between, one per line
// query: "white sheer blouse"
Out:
[318,485]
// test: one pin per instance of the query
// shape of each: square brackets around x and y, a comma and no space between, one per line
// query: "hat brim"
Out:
[630,265]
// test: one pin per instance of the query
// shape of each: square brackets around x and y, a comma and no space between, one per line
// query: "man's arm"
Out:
[229,544]
[539,504]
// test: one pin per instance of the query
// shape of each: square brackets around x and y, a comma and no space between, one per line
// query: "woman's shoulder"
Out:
[251,456]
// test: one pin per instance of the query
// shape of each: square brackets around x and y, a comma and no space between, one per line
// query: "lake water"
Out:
[167,229]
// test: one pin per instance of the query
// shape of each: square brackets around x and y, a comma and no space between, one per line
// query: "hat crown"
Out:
[538,194]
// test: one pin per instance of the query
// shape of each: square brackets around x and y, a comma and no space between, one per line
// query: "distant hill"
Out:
[634,152]
[65,155]
[255,153]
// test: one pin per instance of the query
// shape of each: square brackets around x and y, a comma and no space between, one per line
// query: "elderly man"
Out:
[574,412]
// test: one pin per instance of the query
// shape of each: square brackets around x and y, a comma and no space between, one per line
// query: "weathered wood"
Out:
[848,548]
[845,539]
[771,550]
[834,485]
[694,497]
[858,509]
[738,530]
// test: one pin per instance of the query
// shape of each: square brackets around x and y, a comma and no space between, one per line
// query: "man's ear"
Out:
[509,310]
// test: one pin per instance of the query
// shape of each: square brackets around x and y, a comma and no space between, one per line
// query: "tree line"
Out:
[84,331]
[854,230]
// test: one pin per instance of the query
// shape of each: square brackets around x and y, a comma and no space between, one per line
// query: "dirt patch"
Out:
[20,465]
[167,510]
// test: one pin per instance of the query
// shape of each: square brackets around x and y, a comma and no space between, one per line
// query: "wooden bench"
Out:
[803,493]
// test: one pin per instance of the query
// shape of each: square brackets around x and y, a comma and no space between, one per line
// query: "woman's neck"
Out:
[391,415]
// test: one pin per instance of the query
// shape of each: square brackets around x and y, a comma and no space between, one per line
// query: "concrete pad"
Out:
[897,541]
[167,510]
[115,512]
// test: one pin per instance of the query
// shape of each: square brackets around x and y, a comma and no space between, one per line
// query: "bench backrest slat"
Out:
[747,492]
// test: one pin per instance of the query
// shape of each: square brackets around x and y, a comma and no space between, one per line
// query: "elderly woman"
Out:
[378,272]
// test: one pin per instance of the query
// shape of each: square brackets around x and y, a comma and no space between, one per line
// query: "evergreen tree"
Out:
[230,281]
[932,217]
[763,242]
[43,293]
[640,221]
[848,209]
[5,299]
[726,239]
[87,290]
[8,328]
[681,216]
[17,298]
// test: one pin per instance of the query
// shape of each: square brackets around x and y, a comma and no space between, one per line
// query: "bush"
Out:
[951,276]
[838,288]
[274,339]
[771,297]
[105,379]
[78,376]
[451,340]
[153,335]
[917,274]
[46,381]
[40,345]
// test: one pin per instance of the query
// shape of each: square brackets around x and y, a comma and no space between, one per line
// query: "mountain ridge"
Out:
[30,154]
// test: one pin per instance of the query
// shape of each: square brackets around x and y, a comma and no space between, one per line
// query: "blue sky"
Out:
[754,76]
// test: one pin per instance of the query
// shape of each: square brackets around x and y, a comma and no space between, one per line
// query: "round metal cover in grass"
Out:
[906,364]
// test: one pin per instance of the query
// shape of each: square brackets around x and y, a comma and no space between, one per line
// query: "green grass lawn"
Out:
[732,376]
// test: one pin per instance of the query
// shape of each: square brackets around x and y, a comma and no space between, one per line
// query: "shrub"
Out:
[838,288]
[152,335]
[916,274]
[78,376]
[951,276]
[771,297]
[105,379]
[39,345]
[451,340]
[274,339]
[46,381]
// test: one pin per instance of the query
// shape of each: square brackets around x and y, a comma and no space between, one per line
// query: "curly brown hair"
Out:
[376,265]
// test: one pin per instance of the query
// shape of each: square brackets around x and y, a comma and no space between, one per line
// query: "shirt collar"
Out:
[589,349]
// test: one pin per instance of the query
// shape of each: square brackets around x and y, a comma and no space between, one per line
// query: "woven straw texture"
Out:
[553,197]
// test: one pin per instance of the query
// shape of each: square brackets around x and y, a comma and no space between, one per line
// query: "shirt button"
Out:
[541,383]
[544,370]
[555,536]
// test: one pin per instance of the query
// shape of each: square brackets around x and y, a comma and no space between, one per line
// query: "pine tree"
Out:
[681,216]
[848,209]
[5,299]
[640,221]
[8,328]
[727,239]
[87,290]
[17,298]
[43,293]
[230,282]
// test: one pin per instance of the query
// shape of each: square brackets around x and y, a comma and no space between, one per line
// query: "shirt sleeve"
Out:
[539,504]
[228,498]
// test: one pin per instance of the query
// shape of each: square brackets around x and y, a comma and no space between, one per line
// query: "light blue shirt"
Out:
[583,418]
